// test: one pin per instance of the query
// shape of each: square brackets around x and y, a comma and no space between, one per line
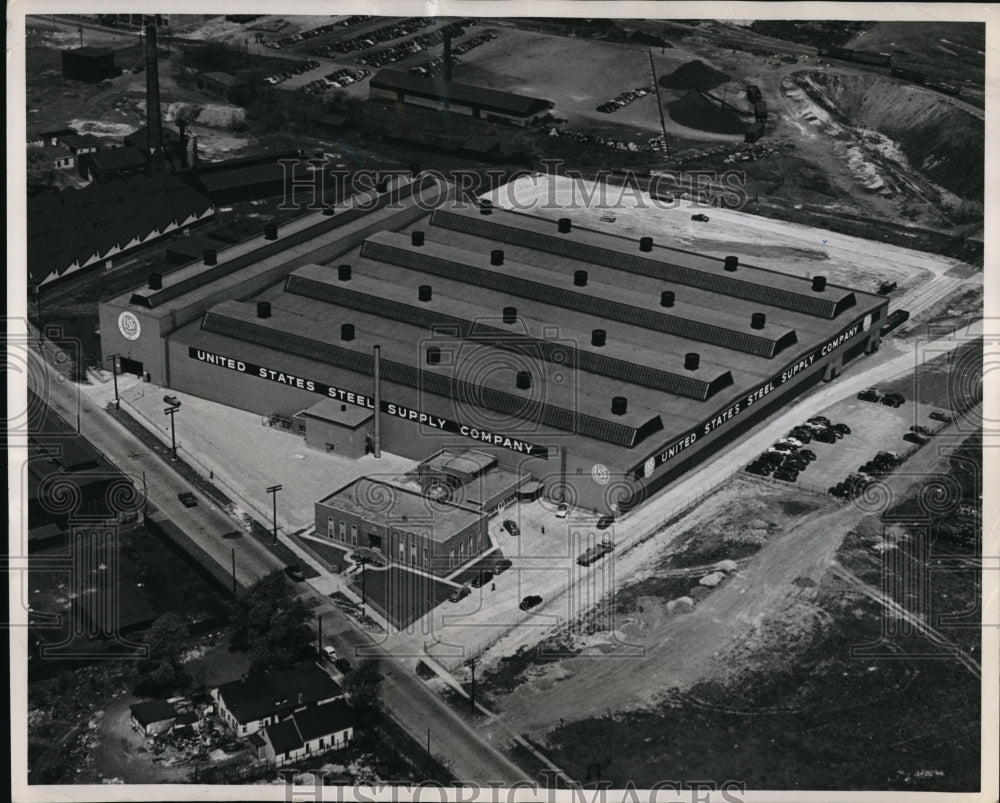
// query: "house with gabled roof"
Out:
[306,733]
[262,699]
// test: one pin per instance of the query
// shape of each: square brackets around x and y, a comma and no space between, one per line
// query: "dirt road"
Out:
[779,581]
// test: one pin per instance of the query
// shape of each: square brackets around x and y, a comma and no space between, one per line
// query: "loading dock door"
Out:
[127,366]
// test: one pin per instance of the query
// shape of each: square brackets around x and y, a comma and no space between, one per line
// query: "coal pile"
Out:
[695,111]
[694,75]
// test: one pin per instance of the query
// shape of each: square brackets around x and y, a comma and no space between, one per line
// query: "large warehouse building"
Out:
[601,366]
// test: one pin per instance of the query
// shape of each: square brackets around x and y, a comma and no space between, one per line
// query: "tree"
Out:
[166,640]
[41,173]
[271,624]
[363,687]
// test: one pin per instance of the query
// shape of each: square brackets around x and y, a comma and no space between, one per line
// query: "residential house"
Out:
[259,700]
[306,733]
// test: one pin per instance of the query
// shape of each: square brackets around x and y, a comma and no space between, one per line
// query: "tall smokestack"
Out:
[377,434]
[446,58]
[154,124]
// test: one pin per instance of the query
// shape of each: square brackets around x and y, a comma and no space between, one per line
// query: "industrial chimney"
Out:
[154,124]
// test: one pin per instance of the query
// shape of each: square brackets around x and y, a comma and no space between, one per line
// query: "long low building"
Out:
[475,101]
[603,366]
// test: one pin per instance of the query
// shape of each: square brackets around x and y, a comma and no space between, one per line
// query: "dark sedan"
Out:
[530,602]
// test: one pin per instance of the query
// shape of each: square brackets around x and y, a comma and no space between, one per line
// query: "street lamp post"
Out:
[273,490]
[171,410]
[114,371]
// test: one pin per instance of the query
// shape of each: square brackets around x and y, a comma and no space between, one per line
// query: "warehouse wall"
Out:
[149,348]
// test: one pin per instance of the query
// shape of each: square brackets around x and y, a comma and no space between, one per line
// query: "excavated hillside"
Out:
[941,139]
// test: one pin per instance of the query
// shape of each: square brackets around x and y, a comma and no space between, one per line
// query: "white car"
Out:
[330,653]
[793,441]
[562,511]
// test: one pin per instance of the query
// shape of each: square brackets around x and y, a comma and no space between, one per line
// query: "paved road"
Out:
[205,523]
[413,705]
[417,708]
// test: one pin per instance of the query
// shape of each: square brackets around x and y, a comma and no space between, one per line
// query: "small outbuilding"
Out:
[153,717]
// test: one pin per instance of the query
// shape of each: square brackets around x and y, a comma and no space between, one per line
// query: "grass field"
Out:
[939,41]
[402,596]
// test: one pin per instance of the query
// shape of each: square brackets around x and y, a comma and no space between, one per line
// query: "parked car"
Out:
[893,399]
[886,287]
[803,434]
[501,566]
[562,511]
[482,578]
[869,395]
[819,419]
[529,602]
[188,499]
[604,522]
[782,446]
[793,441]
[944,418]
[913,437]
[295,573]
[841,429]
[459,593]
[808,454]
[920,430]
[233,534]
[700,218]
[787,476]
[330,653]
[511,527]
[826,436]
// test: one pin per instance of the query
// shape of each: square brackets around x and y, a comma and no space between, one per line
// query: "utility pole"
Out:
[273,490]
[171,410]
[114,370]
[319,637]
[145,497]
[234,570]
[472,697]
[364,595]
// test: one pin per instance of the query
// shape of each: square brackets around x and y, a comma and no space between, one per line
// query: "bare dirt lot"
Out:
[788,247]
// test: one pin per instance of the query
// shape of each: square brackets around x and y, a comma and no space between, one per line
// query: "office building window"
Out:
[330,530]
[343,530]
[354,535]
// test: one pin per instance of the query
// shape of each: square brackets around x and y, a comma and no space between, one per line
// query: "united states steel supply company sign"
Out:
[363,400]
[743,404]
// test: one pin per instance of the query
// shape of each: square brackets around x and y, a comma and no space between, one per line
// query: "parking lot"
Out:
[874,427]
[543,557]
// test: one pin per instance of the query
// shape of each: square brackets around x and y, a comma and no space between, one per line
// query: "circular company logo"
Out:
[648,467]
[128,325]
[866,324]
[600,474]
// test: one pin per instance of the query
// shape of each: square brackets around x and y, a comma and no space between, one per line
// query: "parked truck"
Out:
[596,552]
